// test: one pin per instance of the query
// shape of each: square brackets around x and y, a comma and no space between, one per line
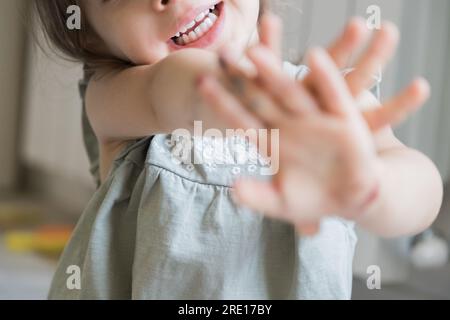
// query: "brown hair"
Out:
[74,44]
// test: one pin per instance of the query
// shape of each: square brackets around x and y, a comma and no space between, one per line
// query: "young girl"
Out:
[161,227]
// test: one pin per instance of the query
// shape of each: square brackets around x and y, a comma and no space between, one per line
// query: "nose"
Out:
[161,5]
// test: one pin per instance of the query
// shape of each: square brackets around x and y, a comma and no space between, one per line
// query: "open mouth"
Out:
[199,27]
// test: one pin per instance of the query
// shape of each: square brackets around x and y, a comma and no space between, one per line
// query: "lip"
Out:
[207,39]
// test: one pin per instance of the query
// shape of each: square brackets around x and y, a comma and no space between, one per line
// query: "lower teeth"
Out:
[179,40]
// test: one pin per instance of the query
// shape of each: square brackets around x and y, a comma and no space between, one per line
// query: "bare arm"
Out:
[147,100]
[411,188]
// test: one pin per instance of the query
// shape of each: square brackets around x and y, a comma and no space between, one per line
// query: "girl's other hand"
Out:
[328,159]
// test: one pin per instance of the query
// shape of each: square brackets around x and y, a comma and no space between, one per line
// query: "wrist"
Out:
[372,195]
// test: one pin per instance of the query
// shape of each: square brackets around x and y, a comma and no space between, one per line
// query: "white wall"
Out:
[53,139]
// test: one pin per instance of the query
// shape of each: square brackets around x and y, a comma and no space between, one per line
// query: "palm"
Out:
[323,160]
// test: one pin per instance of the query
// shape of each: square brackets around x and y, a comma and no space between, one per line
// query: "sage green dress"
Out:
[162,229]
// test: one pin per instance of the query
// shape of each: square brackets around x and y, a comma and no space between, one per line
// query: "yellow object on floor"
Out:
[49,240]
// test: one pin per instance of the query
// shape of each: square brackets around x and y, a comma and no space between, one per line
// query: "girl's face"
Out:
[146,31]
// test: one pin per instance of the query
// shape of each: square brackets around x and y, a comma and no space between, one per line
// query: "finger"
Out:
[251,94]
[353,36]
[291,95]
[397,109]
[229,64]
[271,30]
[329,85]
[225,104]
[308,230]
[380,51]
[259,196]
[262,106]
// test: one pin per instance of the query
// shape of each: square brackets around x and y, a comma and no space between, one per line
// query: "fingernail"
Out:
[317,54]
[424,86]
[357,20]
[318,51]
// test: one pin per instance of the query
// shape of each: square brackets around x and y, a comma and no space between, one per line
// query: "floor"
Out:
[28,276]
[423,285]
[24,276]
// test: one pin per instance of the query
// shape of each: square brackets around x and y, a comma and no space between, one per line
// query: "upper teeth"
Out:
[208,18]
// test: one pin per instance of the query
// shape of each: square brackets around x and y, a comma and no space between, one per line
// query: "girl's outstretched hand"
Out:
[328,160]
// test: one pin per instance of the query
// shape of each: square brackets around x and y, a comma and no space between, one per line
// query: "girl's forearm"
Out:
[411,192]
[147,100]
[174,95]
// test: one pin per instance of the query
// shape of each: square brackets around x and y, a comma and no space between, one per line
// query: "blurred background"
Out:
[44,173]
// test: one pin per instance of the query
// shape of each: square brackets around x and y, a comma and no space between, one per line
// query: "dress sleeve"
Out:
[89,138]
[300,71]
